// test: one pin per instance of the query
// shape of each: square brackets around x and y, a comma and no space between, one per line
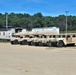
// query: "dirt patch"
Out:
[31,60]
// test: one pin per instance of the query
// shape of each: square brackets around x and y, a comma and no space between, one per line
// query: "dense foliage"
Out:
[37,20]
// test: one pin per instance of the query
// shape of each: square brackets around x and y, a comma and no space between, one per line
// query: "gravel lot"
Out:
[30,60]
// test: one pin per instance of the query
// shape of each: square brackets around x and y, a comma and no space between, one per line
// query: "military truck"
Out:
[46,40]
[23,40]
[27,38]
[50,40]
[14,39]
[37,40]
[63,40]
[42,40]
[30,40]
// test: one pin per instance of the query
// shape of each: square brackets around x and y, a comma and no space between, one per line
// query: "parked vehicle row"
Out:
[58,40]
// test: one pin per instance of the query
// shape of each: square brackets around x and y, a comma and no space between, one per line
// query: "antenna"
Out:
[6,21]
[66,21]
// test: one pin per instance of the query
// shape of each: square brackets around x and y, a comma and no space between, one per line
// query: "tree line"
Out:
[37,21]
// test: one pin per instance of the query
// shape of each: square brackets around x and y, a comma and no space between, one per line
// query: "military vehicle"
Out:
[37,40]
[63,40]
[41,40]
[27,38]
[16,37]
[23,39]
[50,39]
[30,40]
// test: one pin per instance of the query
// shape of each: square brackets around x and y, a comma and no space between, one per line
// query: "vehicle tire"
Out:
[14,42]
[20,42]
[36,43]
[32,43]
[29,43]
[24,42]
[49,43]
[60,43]
[40,44]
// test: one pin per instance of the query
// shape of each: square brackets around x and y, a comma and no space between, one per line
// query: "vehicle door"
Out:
[68,38]
[74,38]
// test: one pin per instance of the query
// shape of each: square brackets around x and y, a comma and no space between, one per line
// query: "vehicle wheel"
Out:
[36,43]
[54,44]
[32,43]
[60,44]
[23,42]
[29,43]
[12,42]
[49,43]
[16,41]
[20,42]
[40,44]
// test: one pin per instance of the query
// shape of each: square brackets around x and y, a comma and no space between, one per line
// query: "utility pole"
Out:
[66,21]
[6,21]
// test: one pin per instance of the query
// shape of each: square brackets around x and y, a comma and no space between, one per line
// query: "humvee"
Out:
[47,40]
[27,38]
[15,39]
[50,40]
[37,40]
[43,40]
[30,40]
[23,40]
[63,40]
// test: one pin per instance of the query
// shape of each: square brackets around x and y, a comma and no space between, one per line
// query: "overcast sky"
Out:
[46,7]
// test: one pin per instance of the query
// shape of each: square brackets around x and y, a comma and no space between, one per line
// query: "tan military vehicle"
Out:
[37,40]
[50,39]
[30,40]
[15,38]
[23,40]
[42,40]
[27,38]
[63,40]
[46,40]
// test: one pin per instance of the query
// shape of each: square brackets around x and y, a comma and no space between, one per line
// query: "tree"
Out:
[37,20]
